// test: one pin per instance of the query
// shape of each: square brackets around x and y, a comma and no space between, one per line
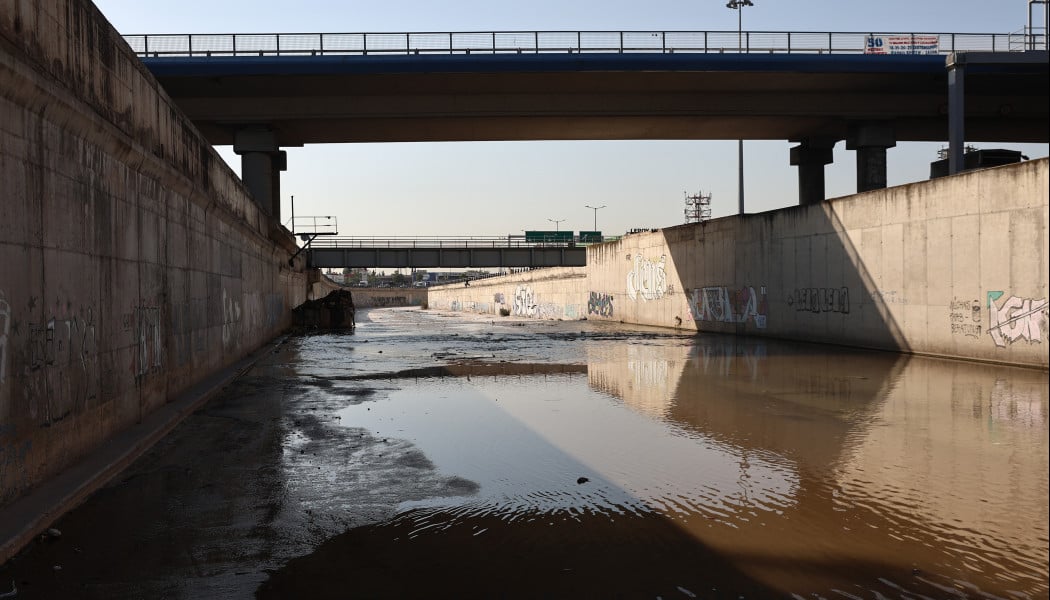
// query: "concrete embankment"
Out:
[133,263]
[953,267]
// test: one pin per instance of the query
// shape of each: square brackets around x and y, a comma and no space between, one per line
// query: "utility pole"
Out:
[738,6]
[595,209]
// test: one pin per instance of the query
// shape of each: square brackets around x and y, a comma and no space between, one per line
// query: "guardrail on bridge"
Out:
[541,42]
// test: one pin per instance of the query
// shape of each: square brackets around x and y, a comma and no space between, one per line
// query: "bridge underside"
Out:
[261,104]
[333,99]
[394,258]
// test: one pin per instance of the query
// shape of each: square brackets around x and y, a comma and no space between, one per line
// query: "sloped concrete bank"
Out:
[954,267]
[133,263]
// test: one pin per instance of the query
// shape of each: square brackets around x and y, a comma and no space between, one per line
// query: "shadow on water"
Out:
[534,556]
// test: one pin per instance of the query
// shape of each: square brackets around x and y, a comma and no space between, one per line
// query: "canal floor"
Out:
[436,455]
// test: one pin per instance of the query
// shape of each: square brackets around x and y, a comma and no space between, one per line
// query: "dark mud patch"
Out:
[414,459]
[423,554]
[468,369]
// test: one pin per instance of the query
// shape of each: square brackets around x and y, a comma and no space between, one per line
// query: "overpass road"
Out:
[475,97]
[262,99]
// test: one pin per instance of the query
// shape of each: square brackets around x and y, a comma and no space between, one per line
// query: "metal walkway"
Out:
[452,252]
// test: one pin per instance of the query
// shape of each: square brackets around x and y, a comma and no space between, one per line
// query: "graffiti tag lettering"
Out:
[1016,319]
[524,304]
[647,279]
[820,300]
[600,305]
[720,304]
[965,317]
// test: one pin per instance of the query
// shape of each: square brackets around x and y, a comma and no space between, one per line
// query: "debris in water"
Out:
[54,533]
[334,311]
[582,480]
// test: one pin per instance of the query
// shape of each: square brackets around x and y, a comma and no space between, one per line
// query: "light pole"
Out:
[738,6]
[595,209]
[556,221]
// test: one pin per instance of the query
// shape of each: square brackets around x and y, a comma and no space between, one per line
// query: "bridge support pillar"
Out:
[262,161]
[810,156]
[870,140]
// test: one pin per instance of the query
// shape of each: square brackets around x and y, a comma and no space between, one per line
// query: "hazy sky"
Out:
[501,188]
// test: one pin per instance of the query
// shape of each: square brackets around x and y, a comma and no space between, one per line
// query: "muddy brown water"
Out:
[436,455]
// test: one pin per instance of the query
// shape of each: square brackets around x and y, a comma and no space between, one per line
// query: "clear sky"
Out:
[501,188]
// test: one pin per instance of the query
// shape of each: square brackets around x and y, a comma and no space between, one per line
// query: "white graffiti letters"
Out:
[647,279]
[1016,319]
[719,303]
[524,302]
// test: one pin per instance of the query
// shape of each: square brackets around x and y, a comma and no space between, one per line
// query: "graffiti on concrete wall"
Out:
[60,362]
[600,304]
[150,342]
[647,279]
[1014,319]
[387,301]
[5,330]
[524,304]
[820,300]
[572,311]
[965,317]
[725,305]
[499,298]
[231,317]
[548,310]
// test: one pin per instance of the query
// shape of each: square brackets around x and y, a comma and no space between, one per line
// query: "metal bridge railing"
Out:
[505,241]
[549,42]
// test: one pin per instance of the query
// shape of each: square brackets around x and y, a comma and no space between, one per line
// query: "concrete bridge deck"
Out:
[603,86]
[512,251]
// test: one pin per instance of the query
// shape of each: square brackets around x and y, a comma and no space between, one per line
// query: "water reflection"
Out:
[915,473]
[782,468]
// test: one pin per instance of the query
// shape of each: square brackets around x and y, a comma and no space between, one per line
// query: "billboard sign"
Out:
[903,44]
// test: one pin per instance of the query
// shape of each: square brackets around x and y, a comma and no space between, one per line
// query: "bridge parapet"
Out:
[530,240]
[540,42]
[463,252]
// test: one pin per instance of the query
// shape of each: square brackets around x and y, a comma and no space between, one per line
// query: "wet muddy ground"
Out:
[435,455]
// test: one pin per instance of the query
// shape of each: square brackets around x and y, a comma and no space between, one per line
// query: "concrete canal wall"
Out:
[554,293]
[954,267]
[133,263]
[367,297]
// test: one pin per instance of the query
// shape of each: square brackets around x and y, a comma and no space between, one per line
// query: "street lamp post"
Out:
[595,209]
[556,221]
[738,6]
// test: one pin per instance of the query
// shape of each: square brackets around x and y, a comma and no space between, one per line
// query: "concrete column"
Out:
[870,140]
[810,156]
[258,174]
[956,112]
[261,165]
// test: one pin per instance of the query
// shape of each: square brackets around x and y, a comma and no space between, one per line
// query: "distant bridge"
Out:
[512,251]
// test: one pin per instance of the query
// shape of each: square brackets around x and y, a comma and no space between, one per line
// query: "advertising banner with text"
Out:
[903,44]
